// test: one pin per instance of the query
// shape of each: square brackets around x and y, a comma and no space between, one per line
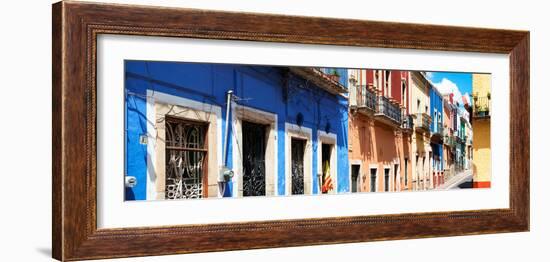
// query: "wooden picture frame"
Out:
[76,26]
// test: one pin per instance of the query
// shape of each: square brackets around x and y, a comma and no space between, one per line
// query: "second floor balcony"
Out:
[422,122]
[407,123]
[482,106]
[437,133]
[437,130]
[363,98]
[388,111]
[448,138]
[460,139]
[327,79]
[449,141]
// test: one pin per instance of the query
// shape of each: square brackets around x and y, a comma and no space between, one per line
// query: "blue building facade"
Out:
[284,100]
[436,129]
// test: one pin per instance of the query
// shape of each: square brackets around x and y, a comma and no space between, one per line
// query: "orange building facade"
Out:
[379,131]
[449,143]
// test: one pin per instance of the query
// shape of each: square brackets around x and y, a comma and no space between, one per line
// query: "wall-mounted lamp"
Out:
[300,119]
[130,181]
[225,177]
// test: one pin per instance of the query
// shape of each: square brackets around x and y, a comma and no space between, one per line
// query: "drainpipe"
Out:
[225,174]
[227,110]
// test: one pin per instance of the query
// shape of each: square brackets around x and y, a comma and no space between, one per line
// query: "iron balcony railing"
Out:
[449,140]
[388,109]
[482,106]
[365,97]
[438,129]
[423,121]
[408,122]
[326,79]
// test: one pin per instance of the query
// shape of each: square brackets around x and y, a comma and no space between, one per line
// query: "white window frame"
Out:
[377,179]
[359,177]
[155,145]
[328,138]
[389,167]
[295,131]
[242,113]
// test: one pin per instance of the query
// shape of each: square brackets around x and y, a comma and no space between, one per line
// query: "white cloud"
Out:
[429,75]
[446,87]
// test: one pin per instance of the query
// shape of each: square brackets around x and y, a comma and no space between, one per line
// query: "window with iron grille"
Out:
[254,149]
[297,165]
[186,157]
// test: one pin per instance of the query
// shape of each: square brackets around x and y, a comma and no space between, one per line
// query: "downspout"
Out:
[225,174]
[227,110]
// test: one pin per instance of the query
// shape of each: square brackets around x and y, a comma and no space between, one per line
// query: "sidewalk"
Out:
[456,180]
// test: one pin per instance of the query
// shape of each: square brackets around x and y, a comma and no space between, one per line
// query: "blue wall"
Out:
[436,108]
[262,86]
[436,105]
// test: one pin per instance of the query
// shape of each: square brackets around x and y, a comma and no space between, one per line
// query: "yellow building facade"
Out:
[481,125]
[420,148]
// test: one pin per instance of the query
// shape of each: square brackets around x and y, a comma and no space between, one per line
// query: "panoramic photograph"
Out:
[207,130]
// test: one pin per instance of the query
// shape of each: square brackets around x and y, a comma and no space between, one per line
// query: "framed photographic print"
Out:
[182,130]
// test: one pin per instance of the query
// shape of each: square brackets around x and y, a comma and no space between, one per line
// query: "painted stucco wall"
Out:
[420,97]
[482,153]
[406,141]
[481,85]
[420,160]
[447,116]
[448,157]
[436,108]
[436,112]
[420,146]
[376,145]
[136,126]
[257,87]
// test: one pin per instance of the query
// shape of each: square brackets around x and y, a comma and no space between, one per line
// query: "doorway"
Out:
[406,178]
[297,165]
[373,174]
[254,149]
[396,181]
[326,178]
[355,169]
[386,179]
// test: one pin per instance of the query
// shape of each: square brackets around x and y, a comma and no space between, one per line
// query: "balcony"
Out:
[407,123]
[448,138]
[422,122]
[459,139]
[324,80]
[449,141]
[437,133]
[364,99]
[438,129]
[482,106]
[388,111]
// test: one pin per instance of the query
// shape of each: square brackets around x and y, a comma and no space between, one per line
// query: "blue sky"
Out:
[457,83]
